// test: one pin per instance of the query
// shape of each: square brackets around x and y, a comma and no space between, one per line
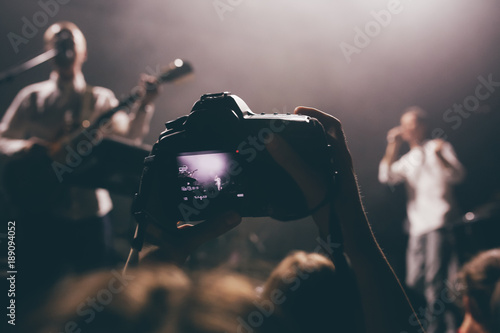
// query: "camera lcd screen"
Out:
[204,175]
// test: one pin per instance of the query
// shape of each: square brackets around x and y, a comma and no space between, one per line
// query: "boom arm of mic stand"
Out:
[15,71]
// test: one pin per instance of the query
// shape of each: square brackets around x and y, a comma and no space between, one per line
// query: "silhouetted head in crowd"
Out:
[481,282]
[220,301]
[307,293]
[152,300]
[143,300]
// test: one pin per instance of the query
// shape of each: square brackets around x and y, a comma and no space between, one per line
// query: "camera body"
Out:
[223,156]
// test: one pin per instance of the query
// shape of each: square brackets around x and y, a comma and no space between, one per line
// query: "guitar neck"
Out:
[175,70]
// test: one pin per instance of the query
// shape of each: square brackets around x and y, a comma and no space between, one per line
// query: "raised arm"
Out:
[384,302]
[390,172]
[14,125]
[445,153]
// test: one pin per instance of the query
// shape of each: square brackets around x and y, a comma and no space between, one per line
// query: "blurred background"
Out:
[284,53]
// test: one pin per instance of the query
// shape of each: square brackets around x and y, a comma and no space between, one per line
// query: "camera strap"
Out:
[336,243]
[139,205]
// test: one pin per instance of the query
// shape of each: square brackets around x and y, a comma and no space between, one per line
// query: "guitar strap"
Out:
[33,101]
[86,111]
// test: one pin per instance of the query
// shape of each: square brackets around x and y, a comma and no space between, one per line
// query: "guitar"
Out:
[34,178]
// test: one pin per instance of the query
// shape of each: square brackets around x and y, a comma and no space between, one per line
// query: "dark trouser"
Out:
[84,244]
[50,248]
[428,260]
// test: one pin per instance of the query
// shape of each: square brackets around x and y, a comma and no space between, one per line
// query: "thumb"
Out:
[199,234]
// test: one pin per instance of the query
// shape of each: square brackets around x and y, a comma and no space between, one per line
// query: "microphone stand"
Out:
[10,74]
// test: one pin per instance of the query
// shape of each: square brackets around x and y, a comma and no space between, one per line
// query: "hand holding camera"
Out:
[221,138]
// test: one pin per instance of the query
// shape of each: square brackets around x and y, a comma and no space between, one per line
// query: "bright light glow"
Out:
[178,62]
[470,216]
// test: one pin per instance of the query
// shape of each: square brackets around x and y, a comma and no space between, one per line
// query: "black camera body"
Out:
[218,158]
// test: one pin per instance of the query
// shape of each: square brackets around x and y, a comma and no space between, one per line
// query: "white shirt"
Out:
[47,110]
[428,184]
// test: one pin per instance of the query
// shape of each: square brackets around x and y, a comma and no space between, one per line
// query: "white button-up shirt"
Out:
[51,109]
[428,184]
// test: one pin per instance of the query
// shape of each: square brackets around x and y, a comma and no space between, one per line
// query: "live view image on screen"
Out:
[203,175]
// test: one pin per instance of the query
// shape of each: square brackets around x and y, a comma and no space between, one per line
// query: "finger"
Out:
[333,128]
[150,83]
[393,134]
[147,78]
[185,226]
[210,229]
[331,124]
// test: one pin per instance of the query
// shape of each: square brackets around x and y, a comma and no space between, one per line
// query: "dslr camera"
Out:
[223,156]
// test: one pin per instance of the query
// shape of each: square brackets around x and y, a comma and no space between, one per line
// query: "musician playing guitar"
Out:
[74,225]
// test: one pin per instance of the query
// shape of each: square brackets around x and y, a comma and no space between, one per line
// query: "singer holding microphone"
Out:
[429,170]
[73,232]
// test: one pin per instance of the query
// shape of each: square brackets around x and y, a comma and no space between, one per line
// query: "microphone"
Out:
[63,53]
[65,48]
[11,73]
